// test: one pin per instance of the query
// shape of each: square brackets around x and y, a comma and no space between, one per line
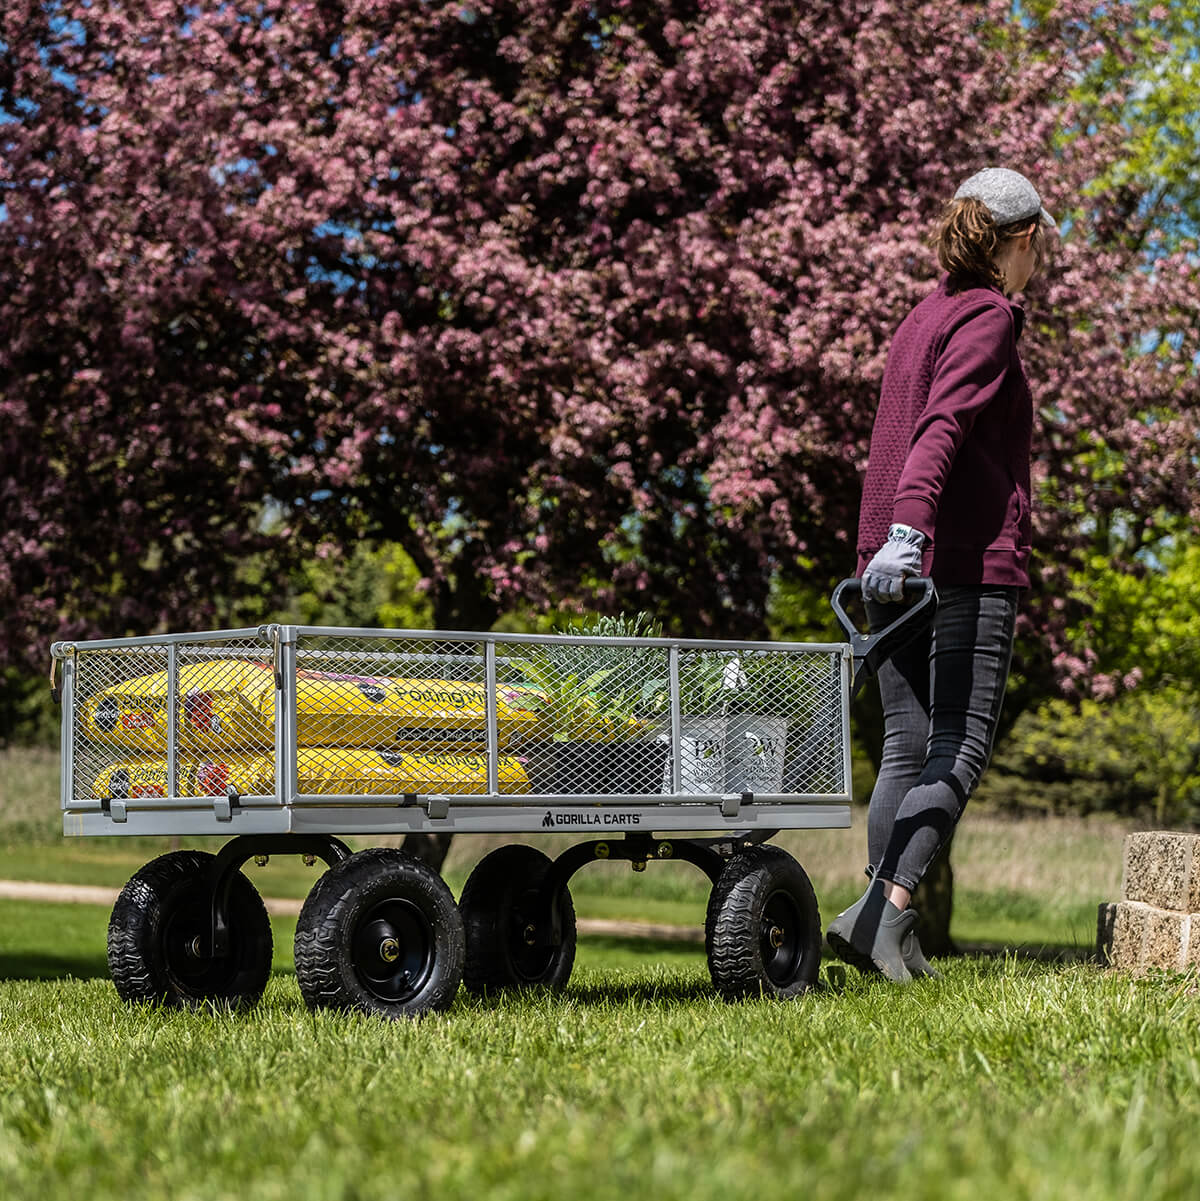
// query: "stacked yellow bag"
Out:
[146,776]
[232,704]
[361,735]
[322,771]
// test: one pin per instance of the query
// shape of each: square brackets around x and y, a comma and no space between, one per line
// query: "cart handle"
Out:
[870,650]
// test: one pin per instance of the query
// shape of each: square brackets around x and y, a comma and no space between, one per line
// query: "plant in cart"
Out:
[597,731]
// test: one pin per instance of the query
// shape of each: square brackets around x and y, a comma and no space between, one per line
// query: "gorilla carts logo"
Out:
[610,818]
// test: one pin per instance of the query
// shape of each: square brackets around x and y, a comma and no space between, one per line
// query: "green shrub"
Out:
[1138,755]
[28,715]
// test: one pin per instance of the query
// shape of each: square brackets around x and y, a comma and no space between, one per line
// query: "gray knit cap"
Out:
[1009,196]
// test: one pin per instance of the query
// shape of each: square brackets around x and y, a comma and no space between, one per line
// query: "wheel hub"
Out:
[188,953]
[780,943]
[393,950]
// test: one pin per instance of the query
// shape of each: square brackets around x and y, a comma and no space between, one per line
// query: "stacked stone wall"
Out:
[1156,923]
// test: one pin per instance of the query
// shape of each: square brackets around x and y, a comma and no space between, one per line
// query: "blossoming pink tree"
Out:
[580,303]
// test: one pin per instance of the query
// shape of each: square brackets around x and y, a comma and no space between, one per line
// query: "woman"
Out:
[946,495]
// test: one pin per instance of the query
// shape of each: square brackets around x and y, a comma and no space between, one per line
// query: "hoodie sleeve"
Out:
[968,375]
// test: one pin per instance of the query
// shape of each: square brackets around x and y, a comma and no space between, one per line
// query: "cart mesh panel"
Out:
[403,716]
[390,716]
[601,716]
[761,721]
[224,702]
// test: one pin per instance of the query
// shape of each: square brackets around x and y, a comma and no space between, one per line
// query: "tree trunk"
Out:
[431,849]
[454,608]
[934,901]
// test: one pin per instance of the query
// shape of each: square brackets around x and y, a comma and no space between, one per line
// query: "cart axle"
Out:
[259,847]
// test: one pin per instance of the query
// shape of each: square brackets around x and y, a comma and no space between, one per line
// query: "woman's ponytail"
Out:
[967,240]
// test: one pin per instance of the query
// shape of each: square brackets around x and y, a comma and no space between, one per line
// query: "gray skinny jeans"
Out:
[941,694]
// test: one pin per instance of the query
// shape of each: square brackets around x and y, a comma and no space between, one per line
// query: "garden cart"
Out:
[283,739]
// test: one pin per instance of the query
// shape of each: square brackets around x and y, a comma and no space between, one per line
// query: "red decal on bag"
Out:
[198,710]
[212,779]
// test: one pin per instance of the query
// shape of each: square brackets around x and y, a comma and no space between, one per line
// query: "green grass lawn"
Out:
[1010,1078]
[1014,1077]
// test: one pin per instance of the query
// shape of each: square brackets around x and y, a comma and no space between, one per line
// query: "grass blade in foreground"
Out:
[1008,1078]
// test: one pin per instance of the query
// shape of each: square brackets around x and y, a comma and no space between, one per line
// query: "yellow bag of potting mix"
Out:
[146,776]
[221,705]
[231,704]
[322,771]
[404,713]
[333,770]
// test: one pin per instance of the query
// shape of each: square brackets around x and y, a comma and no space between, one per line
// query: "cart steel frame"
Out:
[282,738]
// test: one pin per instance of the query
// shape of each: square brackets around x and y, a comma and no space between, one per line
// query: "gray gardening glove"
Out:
[894,562]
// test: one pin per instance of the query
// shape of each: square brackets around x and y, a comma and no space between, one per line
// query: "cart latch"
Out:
[58,651]
[732,802]
[223,806]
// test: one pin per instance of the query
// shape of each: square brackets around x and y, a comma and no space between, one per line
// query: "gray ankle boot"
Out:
[871,934]
[914,958]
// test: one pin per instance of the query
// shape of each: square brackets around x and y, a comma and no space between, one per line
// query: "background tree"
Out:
[1131,746]
[582,304]
[1153,91]
[579,303]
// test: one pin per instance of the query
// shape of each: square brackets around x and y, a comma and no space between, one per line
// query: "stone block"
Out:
[1162,869]
[1165,940]
[1129,931]
[1144,937]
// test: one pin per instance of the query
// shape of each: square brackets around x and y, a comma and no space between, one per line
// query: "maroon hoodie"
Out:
[951,444]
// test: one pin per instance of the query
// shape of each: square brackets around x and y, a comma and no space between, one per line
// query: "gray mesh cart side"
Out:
[281,739]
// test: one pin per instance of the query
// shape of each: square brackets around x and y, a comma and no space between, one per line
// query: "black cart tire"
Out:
[763,929]
[380,933]
[162,922]
[502,924]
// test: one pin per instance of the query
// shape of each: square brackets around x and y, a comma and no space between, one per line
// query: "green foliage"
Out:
[1152,90]
[28,714]
[1143,623]
[366,584]
[1137,755]
[1133,745]
[622,625]
[597,691]
[798,609]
